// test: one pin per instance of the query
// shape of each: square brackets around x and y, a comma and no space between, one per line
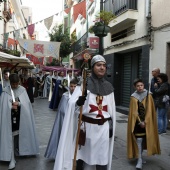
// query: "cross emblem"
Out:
[99,107]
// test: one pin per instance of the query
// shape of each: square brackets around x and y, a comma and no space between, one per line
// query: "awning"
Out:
[7,60]
[57,68]
[90,51]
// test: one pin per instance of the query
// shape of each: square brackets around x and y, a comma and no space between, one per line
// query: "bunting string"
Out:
[47,22]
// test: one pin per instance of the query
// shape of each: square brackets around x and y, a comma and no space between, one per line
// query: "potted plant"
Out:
[101,28]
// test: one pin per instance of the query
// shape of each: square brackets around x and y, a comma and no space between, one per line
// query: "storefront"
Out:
[122,69]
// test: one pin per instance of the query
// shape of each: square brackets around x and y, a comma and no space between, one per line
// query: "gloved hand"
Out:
[81,100]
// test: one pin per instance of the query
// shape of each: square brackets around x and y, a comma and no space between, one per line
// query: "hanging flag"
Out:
[48,22]
[79,8]
[41,48]
[16,34]
[6,35]
[12,42]
[35,60]
[31,29]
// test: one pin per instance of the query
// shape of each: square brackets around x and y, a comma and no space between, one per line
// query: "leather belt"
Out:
[94,121]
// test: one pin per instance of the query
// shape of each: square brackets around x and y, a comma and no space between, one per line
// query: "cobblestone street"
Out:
[44,118]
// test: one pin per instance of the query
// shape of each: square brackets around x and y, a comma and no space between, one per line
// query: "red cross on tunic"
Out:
[98,108]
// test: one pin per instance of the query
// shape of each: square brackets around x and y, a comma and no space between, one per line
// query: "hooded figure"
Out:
[17,123]
[56,131]
[98,110]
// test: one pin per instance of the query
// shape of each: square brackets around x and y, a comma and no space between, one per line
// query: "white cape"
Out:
[65,153]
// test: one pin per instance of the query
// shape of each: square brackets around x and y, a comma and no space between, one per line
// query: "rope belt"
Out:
[94,121]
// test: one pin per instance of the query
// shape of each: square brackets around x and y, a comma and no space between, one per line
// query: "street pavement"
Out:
[44,119]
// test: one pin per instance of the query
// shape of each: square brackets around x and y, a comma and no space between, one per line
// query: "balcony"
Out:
[127,15]
[7,15]
[81,47]
[121,6]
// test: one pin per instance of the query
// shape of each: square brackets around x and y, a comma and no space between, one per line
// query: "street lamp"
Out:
[101,38]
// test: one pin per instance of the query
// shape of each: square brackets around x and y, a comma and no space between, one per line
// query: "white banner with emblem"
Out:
[41,48]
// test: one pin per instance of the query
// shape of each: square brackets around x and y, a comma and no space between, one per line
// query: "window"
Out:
[122,34]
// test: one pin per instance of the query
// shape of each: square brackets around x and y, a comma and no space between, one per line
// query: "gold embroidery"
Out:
[100,107]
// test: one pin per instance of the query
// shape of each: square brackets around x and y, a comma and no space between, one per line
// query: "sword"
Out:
[1,78]
[12,94]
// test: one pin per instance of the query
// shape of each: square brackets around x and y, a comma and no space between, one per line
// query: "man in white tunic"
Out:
[98,111]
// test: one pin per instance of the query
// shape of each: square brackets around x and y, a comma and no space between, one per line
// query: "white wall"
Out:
[160,17]
[160,12]
[140,30]
[158,54]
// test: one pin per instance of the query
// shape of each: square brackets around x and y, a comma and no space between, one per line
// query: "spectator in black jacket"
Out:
[161,89]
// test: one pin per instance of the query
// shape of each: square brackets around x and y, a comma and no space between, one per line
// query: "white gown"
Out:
[92,153]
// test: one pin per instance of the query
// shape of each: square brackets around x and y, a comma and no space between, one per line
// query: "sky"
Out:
[42,9]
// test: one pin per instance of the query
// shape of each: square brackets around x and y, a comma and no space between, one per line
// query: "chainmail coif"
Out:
[99,86]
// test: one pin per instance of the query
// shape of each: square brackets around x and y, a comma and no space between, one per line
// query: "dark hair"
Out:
[69,71]
[6,71]
[163,77]
[73,81]
[137,80]
[14,78]
[60,73]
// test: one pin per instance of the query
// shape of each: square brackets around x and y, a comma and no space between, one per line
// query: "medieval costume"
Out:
[98,109]
[54,79]
[142,109]
[0,88]
[5,83]
[56,131]
[58,91]
[40,83]
[55,99]
[28,83]
[16,123]
[47,86]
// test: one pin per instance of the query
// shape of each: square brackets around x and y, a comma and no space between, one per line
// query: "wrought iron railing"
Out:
[121,6]
[80,45]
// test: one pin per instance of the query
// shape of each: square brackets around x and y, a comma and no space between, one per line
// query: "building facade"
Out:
[15,18]
[127,48]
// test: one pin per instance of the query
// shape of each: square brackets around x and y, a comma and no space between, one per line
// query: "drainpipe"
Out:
[150,29]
